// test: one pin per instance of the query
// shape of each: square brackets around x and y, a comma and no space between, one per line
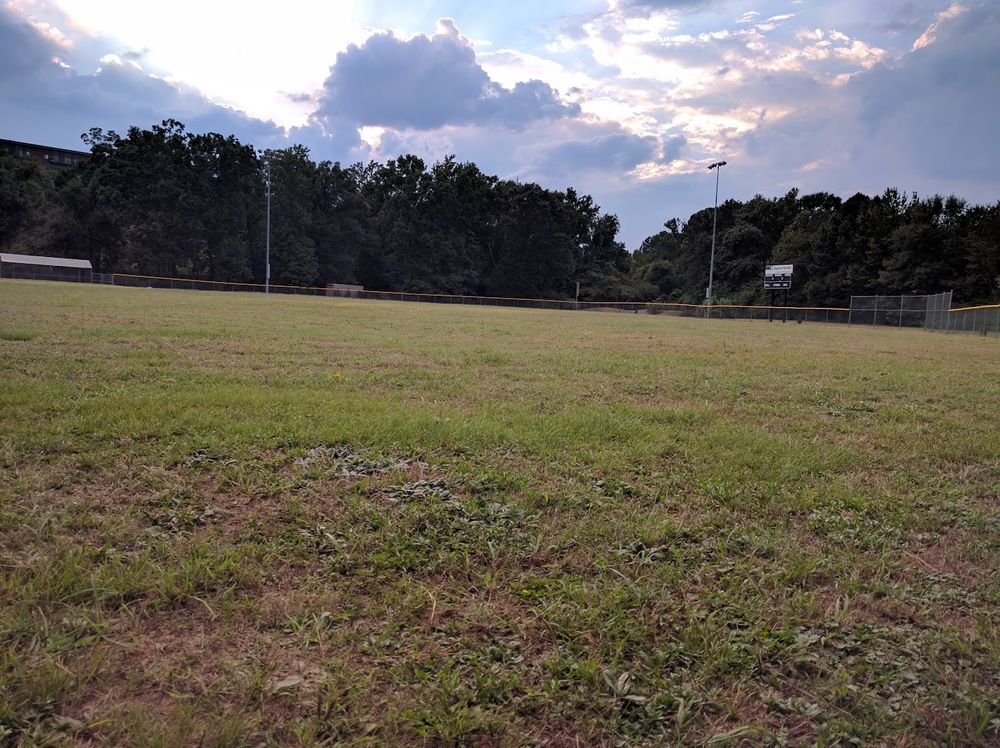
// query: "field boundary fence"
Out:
[896,311]
[717,311]
[938,310]
[48,273]
[931,312]
[982,320]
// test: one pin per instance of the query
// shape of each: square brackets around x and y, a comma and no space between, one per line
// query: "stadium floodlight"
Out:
[715,216]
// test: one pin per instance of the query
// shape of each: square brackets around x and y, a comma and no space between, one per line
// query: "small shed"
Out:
[343,289]
[45,268]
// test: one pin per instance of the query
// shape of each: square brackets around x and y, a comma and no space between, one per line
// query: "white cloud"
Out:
[231,52]
[510,66]
[930,35]
[631,98]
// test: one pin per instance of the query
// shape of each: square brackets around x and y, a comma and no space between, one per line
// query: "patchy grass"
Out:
[229,519]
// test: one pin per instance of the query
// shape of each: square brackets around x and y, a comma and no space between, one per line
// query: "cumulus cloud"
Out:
[426,82]
[940,100]
[920,121]
[615,152]
[628,101]
[48,101]
[928,37]
[646,6]
[24,51]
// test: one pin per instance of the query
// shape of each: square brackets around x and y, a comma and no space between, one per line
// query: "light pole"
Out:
[715,217]
[267,240]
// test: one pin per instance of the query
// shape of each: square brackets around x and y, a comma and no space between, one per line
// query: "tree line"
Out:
[164,201]
[889,244]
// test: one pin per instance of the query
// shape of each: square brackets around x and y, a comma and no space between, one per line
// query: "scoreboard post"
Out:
[778,278]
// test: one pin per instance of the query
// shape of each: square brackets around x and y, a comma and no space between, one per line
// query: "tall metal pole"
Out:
[267,241]
[715,217]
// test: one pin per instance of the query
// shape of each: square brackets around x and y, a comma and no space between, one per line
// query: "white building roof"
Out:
[57,262]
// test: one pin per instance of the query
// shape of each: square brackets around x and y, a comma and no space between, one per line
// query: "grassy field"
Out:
[233,519]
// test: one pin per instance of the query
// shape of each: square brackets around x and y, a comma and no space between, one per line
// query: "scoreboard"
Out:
[778,276]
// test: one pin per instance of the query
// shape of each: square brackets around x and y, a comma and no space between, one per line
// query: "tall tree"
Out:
[396,193]
[453,222]
[981,281]
[165,202]
[24,192]
[922,257]
[531,252]
[653,264]
[226,207]
[341,228]
[294,188]
[810,243]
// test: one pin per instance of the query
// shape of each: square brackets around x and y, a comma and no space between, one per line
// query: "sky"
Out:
[628,101]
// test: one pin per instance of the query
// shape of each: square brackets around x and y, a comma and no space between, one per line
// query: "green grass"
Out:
[233,519]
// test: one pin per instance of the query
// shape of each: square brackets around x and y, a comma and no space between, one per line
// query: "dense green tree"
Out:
[740,255]
[810,243]
[455,219]
[294,181]
[396,193]
[772,215]
[694,262]
[981,280]
[341,227]
[531,252]
[888,244]
[80,226]
[653,264]
[225,207]
[163,201]
[923,254]
[24,199]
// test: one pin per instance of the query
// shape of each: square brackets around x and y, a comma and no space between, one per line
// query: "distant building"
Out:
[45,154]
[343,289]
[45,268]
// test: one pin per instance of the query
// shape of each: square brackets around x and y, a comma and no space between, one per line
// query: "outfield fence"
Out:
[932,312]
[717,311]
[938,311]
[983,320]
[895,311]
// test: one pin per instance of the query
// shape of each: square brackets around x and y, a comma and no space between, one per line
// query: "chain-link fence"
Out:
[46,272]
[891,311]
[933,312]
[984,320]
[938,311]
[191,284]
[717,311]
